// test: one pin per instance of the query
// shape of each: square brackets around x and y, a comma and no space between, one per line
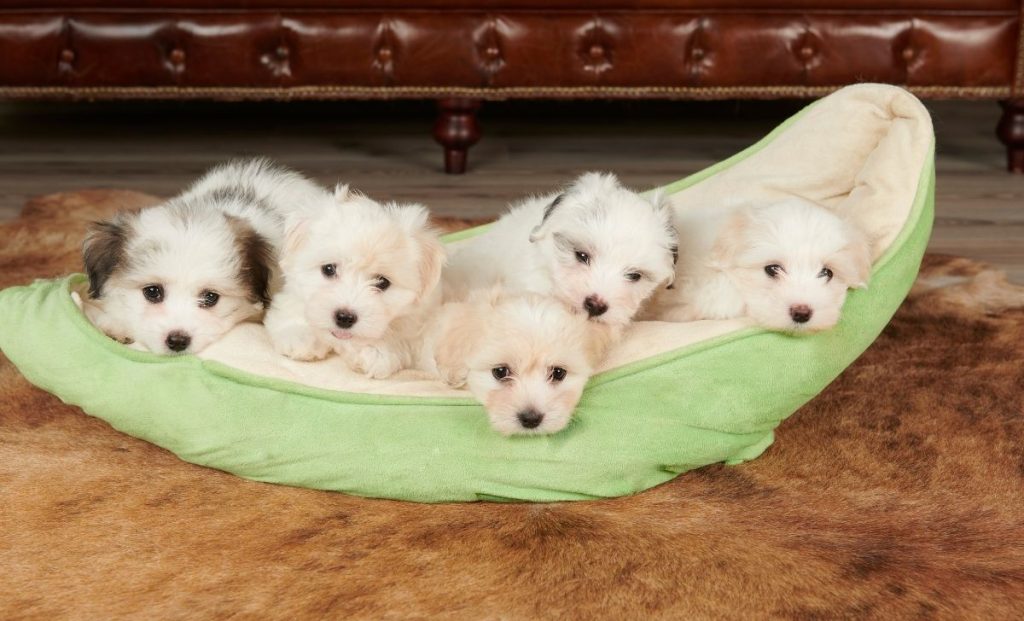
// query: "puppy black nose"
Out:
[801,313]
[594,305]
[345,318]
[178,341]
[530,418]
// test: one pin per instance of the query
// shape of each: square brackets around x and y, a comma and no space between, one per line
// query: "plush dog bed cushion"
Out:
[670,398]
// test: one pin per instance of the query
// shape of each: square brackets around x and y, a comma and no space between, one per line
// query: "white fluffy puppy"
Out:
[786,265]
[174,277]
[525,357]
[598,247]
[360,278]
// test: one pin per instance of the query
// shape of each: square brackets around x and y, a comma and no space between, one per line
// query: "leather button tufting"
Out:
[536,50]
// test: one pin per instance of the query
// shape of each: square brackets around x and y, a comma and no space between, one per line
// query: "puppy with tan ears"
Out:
[525,357]
[174,277]
[598,247]
[786,265]
[360,279]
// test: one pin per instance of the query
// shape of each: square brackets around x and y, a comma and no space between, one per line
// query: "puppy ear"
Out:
[662,206]
[103,251]
[414,219]
[464,327]
[853,262]
[256,260]
[731,239]
[295,234]
[586,186]
[671,282]
[539,231]
[432,259]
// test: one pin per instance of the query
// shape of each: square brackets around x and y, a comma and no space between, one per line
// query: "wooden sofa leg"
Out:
[457,129]
[1011,133]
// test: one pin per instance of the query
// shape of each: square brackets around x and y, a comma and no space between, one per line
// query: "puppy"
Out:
[360,278]
[785,265]
[174,277]
[597,247]
[525,357]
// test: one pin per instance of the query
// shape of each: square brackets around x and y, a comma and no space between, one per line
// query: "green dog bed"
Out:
[672,397]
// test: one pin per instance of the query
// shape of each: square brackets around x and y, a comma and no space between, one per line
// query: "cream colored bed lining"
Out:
[858,151]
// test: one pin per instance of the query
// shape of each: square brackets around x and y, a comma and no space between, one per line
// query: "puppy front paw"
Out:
[376,362]
[455,377]
[678,314]
[299,343]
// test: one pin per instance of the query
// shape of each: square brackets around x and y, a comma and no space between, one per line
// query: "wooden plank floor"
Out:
[385,149]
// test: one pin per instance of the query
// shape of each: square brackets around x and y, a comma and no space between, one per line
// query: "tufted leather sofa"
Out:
[461,52]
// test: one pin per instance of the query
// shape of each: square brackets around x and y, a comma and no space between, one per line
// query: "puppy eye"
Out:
[208,299]
[153,293]
[773,270]
[382,283]
[500,373]
[558,374]
[634,276]
[583,257]
[826,274]
[329,270]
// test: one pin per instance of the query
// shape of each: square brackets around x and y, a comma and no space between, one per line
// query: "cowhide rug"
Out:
[898,493]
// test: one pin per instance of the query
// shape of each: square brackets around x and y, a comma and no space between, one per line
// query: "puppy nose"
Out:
[178,341]
[801,313]
[530,419]
[345,318]
[594,305]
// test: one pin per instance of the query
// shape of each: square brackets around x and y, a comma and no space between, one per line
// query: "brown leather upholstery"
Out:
[512,50]
[496,49]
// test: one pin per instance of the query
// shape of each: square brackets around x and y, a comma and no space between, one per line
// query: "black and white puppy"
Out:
[598,247]
[174,277]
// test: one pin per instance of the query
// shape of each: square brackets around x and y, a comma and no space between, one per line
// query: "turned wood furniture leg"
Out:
[1011,132]
[457,129]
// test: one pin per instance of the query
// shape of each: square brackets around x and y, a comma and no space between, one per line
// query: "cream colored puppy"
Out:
[786,265]
[360,279]
[525,357]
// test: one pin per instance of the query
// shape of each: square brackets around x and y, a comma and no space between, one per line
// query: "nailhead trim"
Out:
[497,93]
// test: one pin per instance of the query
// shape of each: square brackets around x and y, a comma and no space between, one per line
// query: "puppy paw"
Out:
[376,362]
[678,314]
[455,377]
[299,343]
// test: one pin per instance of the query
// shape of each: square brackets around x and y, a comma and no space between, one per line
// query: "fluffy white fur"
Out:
[597,247]
[511,351]
[370,304]
[786,265]
[205,258]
